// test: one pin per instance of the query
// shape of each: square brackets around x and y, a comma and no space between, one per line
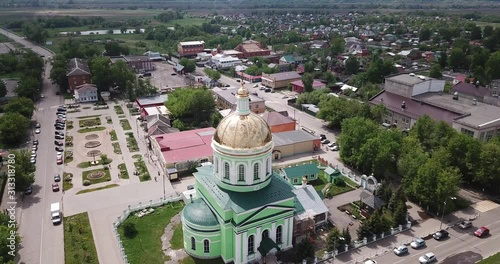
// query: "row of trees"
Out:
[7,226]
[192,107]
[28,65]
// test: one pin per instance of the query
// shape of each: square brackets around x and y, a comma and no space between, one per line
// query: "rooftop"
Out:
[408,79]
[311,202]
[300,171]
[186,43]
[371,200]
[277,190]
[276,118]
[186,145]
[315,84]
[470,90]
[151,100]
[230,95]
[77,66]
[291,137]
[156,110]
[199,213]
[282,76]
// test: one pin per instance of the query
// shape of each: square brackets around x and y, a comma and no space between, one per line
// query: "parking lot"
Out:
[162,77]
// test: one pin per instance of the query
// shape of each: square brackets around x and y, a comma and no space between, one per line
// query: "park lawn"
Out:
[10,75]
[123,171]
[125,124]
[91,129]
[319,183]
[131,142]
[147,245]
[141,167]
[177,240]
[98,189]
[90,116]
[78,240]
[118,110]
[336,190]
[94,181]
[116,148]
[495,259]
[113,135]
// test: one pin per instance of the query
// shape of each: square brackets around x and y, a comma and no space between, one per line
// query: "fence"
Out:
[131,209]
[357,244]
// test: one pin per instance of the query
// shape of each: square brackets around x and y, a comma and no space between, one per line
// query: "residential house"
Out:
[252,48]
[154,56]
[78,73]
[294,142]
[226,99]
[280,80]
[225,62]
[408,97]
[154,111]
[159,125]
[137,63]
[86,93]
[296,174]
[150,101]
[298,86]
[291,59]
[279,121]
[190,48]
[331,174]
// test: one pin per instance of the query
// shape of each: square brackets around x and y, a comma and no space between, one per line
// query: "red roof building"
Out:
[252,48]
[298,86]
[78,73]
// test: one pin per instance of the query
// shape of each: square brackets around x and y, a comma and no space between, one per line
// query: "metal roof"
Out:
[277,190]
[300,170]
[291,137]
[310,202]
[199,213]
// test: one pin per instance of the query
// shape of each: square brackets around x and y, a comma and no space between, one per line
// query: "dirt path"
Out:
[175,255]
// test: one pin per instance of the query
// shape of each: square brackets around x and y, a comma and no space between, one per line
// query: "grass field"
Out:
[495,259]
[78,240]
[98,189]
[146,244]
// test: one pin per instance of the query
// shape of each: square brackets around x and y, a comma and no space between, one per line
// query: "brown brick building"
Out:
[252,48]
[138,63]
[279,121]
[190,48]
[78,73]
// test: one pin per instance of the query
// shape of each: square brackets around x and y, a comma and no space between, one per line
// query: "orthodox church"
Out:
[243,210]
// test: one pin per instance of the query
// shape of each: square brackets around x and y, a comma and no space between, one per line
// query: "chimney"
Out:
[455,96]
[403,105]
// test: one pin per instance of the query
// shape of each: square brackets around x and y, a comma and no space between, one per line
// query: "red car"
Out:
[55,187]
[59,161]
[482,232]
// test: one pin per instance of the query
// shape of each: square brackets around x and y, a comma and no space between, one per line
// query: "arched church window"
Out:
[241,172]
[265,234]
[251,245]
[256,171]
[226,170]
[206,246]
[279,235]
[193,243]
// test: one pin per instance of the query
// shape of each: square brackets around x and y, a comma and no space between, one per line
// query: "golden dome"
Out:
[243,131]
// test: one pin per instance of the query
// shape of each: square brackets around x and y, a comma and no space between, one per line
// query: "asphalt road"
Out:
[42,242]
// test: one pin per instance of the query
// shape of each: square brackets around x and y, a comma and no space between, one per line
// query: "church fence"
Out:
[329,256]
[135,208]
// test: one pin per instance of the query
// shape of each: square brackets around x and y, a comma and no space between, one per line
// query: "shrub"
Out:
[339,182]
[129,230]
[86,183]
[108,179]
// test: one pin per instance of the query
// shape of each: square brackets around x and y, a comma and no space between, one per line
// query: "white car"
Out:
[400,250]
[417,243]
[334,148]
[427,258]
[370,261]
[33,160]
[332,144]
[37,131]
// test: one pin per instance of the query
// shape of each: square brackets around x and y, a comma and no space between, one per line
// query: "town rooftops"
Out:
[77,66]
[470,89]
[156,110]
[85,87]
[151,100]
[251,46]
[192,43]
[134,58]
[278,190]
[282,76]
[186,145]
[408,79]
[276,118]
[300,171]
[311,203]
[315,84]
[291,137]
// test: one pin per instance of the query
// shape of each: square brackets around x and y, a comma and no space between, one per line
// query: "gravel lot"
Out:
[162,77]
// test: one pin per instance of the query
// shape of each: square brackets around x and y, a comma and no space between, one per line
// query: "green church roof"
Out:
[199,213]
[277,190]
[301,170]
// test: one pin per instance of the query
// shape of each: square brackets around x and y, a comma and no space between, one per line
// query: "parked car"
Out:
[334,148]
[37,131]
[33,155]
[325,141]
[58,93]
[61,109]
[267,90]
[370,261]
[440,235]
[58,143]
[59,128]
[59,149]
[57,177]
[58,137]
[35,142]
[417,243]
[38,125]
[427,258]
[331,144]
[35,148]
[33,160]
[55,187]
[465,225]
[59,161]
[400,250]
[482,232]
[322,136]
[59,133]
[28,190]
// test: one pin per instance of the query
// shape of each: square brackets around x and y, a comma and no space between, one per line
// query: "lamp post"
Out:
[442,214]
[334,248]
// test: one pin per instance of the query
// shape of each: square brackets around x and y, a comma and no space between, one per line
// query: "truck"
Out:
[55,212]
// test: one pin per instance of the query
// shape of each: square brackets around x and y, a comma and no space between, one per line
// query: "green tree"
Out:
[212,74]
[13,128]
[347,236]
[59,71]
[5,234]
[3,89]
[487,31]
[337,45]
[465,154]
[101,73]
[488,175]
[144,88]
[400,213]
[35,32]
[443,59]
[479,59]
[425,34]
[356,132]
[189,65]
[351,65]
[436,72]
[28,87]
[120,74]
[493,65]
[456,59]
[333,239]
[21,105]
[195,105]
[329,77]
[25,170]
[307,80]
[475,33]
